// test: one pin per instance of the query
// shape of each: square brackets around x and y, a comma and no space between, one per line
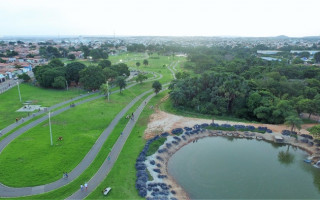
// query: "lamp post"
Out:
[67,85]
[108,89]
[50,129]
[19,91]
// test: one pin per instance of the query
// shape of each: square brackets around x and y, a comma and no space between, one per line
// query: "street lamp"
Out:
[67,85]
[19,91]
[108,89]
[50,129]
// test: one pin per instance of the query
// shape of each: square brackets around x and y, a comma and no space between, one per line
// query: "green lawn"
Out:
[69,189]
[10,103]
[80,127]
[122,177]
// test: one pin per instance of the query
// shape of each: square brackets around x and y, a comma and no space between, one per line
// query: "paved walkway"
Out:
[6,191]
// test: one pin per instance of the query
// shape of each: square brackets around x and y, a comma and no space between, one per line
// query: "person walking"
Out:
[66,175]
[81,188]
[86,186]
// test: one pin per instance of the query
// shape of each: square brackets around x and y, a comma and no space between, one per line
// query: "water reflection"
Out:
[226,167]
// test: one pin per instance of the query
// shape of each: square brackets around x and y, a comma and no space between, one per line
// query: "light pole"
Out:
[50,129]
[19,91]
[108,89]
[67,85]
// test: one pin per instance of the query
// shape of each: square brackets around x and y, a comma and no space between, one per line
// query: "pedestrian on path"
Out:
[86,186]
[120,133]
[81,188]
[108,158]
[67,175]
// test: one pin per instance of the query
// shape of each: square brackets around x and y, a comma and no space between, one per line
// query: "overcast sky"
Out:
[160,17]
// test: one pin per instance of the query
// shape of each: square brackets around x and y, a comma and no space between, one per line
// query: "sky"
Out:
[258,18]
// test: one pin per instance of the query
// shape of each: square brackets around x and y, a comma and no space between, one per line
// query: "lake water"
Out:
[224,168]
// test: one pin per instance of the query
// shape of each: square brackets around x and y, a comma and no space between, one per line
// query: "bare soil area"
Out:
[162,121]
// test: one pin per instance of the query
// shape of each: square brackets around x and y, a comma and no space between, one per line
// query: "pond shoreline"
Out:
[186,139]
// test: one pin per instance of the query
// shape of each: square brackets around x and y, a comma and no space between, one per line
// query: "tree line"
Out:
[233,81]
[57,75]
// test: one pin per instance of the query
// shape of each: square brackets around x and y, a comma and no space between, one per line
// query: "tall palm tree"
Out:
[293,121]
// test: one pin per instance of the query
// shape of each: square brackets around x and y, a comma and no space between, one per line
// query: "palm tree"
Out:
[293,121]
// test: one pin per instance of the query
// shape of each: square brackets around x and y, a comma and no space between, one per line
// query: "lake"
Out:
[222,168]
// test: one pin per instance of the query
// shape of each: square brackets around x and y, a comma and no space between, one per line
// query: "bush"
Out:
[177,131]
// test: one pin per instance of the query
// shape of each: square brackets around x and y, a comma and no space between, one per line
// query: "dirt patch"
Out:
[161,121]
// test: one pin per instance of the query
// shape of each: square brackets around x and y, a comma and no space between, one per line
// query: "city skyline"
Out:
[245,18]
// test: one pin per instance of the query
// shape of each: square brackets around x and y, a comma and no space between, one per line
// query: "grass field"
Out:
[80,127]
[122,57]
[122,177]
[9,101]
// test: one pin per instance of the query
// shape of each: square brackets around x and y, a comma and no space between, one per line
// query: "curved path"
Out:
[6,191]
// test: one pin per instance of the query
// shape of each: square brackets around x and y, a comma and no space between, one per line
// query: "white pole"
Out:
[50,129]
[108,89]
[19,91]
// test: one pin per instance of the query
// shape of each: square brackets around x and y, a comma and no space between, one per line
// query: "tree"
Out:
[140,78]
[305,54]
[157,86]
[104,88]
[92,77]
[297,61]
[59,82]
[24,76]
[122,69]
[315,130]
[56,63]
[71,57]
[98,54]
[121,82]
[317,57]
[109,74]
[72,71]
[306,105]
[293,121]
[105,64]
[138,64]
[145,62]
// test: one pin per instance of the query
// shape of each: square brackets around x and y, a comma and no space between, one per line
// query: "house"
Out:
[12,60]
[2,78]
